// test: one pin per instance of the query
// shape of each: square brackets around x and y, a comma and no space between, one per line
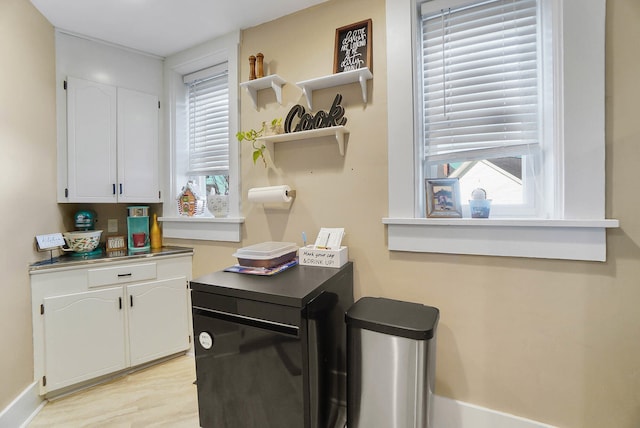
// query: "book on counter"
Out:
[251,270]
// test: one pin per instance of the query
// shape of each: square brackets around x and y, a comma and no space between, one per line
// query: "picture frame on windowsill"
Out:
[443,198]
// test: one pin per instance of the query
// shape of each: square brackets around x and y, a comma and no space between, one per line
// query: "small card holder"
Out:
[312,256]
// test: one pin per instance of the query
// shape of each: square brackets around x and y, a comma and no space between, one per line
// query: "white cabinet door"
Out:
[112,144]
[84,336]
[91,141]
[158,319]
[138,150]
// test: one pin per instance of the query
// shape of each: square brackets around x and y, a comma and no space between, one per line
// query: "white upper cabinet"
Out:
[91,141]
[112,144]
[138,179]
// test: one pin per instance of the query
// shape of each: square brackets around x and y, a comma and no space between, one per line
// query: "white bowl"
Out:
[83,241]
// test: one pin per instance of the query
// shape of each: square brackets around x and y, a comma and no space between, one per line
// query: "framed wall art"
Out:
[443,197]
[353,48]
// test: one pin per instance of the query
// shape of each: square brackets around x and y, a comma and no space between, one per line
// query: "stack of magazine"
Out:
[251,270]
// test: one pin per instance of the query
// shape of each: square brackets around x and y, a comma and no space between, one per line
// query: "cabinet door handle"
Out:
[114,188]
[121,188]
[120,302]
[131,301]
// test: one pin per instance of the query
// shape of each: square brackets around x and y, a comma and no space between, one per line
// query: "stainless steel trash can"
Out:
[390,363]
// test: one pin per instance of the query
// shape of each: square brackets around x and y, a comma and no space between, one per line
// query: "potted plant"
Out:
[252,135]
[218,197]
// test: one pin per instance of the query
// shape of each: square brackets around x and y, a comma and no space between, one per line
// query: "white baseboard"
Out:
[449,413]
[22,409]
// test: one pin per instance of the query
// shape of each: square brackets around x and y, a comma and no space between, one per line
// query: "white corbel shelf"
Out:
[360,75]
[337,131]
[273,81]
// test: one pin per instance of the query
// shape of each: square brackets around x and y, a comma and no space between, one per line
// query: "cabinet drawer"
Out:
[121,274]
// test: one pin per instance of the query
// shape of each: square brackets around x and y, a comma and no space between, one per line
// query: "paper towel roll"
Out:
[261,195]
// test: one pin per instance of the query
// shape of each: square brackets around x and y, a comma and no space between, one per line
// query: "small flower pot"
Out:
[480,208]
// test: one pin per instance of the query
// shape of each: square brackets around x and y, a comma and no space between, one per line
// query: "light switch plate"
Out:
[112,225]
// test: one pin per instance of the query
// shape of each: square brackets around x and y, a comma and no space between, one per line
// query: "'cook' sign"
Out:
[322,119]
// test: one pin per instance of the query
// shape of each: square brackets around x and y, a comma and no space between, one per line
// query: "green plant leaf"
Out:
[252,135]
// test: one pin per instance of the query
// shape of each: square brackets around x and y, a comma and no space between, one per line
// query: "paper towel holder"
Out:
[273,194]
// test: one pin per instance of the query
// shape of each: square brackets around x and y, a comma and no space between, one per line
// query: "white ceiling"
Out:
[162,27]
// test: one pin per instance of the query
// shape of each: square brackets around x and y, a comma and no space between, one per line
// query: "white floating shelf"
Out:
[337,131]
[360,75]
[273,81]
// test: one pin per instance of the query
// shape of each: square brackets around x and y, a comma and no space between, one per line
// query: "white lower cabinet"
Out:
[83,336]
[154,333]
[85,329]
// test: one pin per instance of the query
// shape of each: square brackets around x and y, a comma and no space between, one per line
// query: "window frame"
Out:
[225,48]
[576,226]
[531,205]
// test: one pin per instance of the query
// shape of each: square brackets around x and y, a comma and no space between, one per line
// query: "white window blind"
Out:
[480,81]
[208,92]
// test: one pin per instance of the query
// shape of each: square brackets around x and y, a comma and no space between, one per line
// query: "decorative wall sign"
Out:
[322,119]
[353,48]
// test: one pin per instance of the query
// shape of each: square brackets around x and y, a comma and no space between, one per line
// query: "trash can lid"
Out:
[394,317]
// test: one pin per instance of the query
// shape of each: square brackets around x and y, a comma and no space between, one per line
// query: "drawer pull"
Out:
[122,275]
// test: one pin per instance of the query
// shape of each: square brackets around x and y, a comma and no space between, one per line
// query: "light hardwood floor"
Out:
[159,396]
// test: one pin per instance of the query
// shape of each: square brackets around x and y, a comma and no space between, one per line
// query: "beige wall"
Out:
[28,174]
[554,341]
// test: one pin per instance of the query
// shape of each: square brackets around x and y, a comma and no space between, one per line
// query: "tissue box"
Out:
[311,256]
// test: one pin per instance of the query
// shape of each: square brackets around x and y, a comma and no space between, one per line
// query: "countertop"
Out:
[295,286]
[69,260]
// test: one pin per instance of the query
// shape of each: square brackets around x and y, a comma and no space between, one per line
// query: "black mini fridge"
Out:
[271,350]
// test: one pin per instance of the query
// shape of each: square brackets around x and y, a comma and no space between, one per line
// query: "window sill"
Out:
[202,228]
[536,238]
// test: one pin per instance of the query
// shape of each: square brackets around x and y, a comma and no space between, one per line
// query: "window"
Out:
[567,195]
[201,86]
[480,85]
[208,116]
[208,98]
